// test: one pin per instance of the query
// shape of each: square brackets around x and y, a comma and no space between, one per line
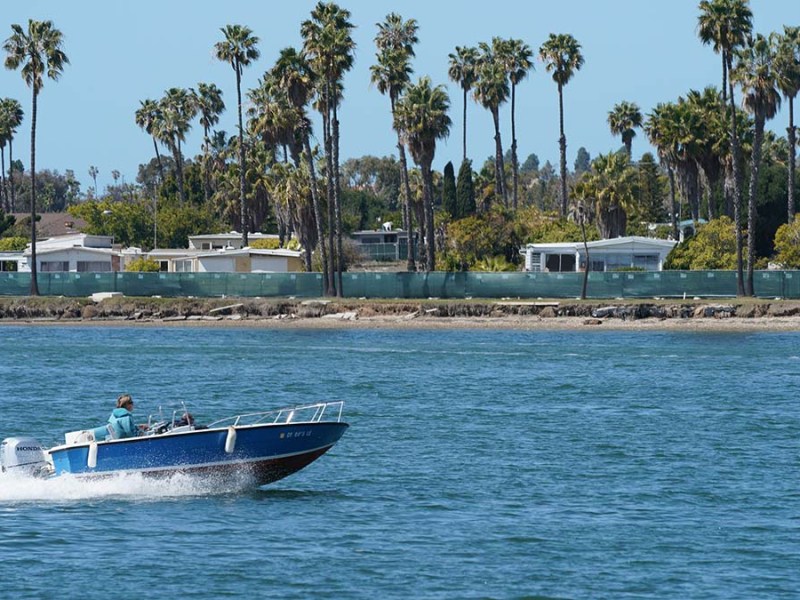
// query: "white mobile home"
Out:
[629,252]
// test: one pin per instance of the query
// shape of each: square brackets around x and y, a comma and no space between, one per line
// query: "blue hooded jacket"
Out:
[121,420]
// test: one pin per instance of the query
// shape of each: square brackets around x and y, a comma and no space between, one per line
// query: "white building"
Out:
[218,241]
[245,260]
[643,253]
[74,253]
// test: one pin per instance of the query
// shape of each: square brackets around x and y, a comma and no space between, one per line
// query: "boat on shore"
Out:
[258,448]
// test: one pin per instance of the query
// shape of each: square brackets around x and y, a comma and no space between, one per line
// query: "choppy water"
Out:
[479,464]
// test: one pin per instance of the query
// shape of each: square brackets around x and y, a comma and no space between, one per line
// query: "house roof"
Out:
[251,252]
[50,224]
[233,235]
[97,251]
[628,242]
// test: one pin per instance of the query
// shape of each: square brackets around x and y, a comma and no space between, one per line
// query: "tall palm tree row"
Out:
[150,119]
[178,108]
[210,106]
[11,115]
[517,57]
[491,91]
[293,74]
[329,45]
[727,25]
[421,115]
[755,71]
[463,70]
[239,49]
[391,74]
[787,72]
[36,51]
[562,56]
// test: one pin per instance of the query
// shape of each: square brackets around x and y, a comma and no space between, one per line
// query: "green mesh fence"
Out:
[664,284]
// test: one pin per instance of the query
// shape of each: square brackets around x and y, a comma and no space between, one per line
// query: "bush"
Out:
[13,244]
[713,247]
[787,244]
[143,265]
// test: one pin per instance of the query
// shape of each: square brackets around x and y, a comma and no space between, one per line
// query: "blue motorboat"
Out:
[257,447]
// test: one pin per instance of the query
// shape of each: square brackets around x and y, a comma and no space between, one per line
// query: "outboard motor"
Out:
[23,456]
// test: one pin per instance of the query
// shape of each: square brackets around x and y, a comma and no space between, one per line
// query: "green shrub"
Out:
[143,265]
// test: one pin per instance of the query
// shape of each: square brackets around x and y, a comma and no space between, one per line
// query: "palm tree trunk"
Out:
[6,204]
[737,185]
[34,282]
[464,128]
[427,184]
[315,201]
[419,208]
[562,144]
[588,262]
[206,175]
[407,214]
[673,208]
[242,200]
[176,148]
[337,203]
[514,161]
[329,187]
[500,189]
[11,175]
[158,159]
[755,164]
[792,155]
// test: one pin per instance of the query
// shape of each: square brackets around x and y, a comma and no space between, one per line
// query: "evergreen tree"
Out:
[651,191]
[530,165]
[583,162]
[465,191]
[449,198]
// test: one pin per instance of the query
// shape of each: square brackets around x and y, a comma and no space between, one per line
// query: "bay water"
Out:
[478,464]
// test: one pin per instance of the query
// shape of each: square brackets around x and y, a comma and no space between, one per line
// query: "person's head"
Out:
[125,401]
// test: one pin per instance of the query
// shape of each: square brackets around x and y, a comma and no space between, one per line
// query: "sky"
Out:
[121,52]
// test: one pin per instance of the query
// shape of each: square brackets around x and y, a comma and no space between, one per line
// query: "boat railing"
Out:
[309,413]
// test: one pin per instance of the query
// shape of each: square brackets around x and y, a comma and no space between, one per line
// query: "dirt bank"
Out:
[517,314]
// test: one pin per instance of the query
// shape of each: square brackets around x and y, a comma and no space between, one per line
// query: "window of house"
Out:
[54,266]
[560,263]
[205,246]
[93,266]
[163,266]
[183,266]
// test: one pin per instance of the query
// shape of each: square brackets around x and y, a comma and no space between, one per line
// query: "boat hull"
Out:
[260,453]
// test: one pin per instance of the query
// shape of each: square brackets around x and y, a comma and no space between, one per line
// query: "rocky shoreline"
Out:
[522,314]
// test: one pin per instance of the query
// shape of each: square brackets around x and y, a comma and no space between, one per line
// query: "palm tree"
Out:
[727,25]
[623,120]
[490,91]
[659,128]
[464,71]
[149,118]
[178,108]
[210,104]
[787,67]
[421,115]
[581,213]
[93,173]
[239,50]
[755,71]
[562,56]
[293,74]
[36,51]
[10,119]
[516,56]
[395,41]
[330,47]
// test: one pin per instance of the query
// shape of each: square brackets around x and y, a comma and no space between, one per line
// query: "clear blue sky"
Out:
[645,51]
